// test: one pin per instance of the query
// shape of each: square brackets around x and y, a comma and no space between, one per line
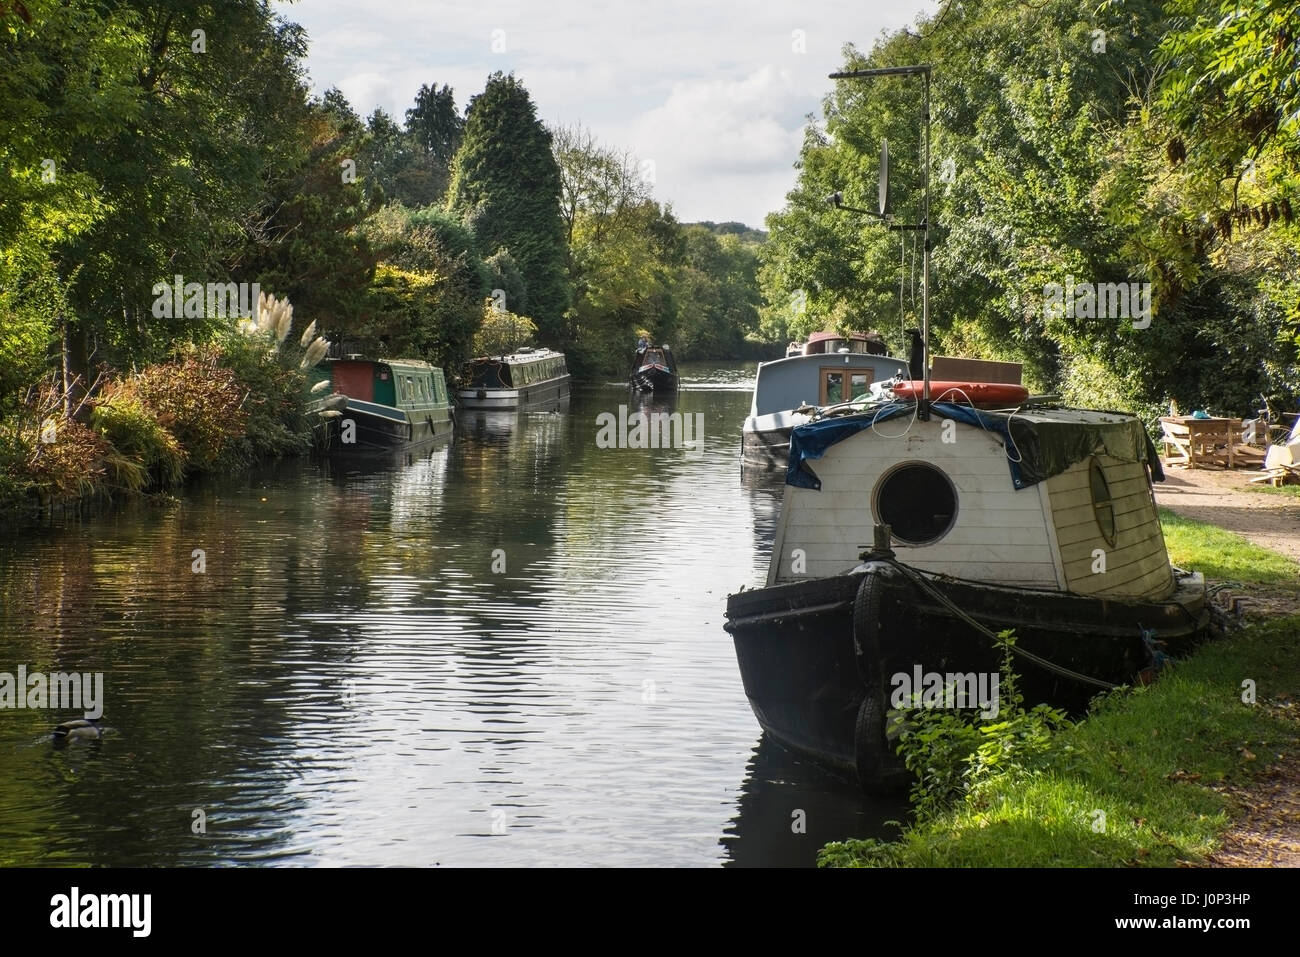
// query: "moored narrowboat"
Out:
[382,405]
[785,391]
[528,380]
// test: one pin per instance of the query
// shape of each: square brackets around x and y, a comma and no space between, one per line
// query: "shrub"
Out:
[196,400]
[135,432]
[71,466]
[275,422]
[502,331]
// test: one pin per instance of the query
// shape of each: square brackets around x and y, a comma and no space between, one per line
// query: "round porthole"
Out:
[1102,507]
[918,502]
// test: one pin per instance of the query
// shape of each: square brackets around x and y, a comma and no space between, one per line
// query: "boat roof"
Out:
[837,358]
[520,357]
[409,364]
[821,336]
[1040,441]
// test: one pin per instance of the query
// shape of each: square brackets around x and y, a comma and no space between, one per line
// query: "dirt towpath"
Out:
[1224,498]
[1267,834]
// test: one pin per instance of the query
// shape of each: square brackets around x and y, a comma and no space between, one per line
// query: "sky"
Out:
[711,96]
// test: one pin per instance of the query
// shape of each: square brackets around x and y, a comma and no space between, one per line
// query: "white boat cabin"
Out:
[1056,499]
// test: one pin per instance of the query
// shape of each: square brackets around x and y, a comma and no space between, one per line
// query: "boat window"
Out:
[918,502]
[1102,506]
[833,384]
[832,387]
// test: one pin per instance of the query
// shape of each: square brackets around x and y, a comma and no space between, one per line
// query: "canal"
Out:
[504,651]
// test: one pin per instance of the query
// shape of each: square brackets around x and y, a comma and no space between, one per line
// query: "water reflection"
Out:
[789,808]
[503,650]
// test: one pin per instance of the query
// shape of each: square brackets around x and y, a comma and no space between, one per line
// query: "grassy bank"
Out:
[1140,781]
[1224,556]
[1286,491]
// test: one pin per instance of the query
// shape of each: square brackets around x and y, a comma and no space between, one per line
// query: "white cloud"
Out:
[716,95]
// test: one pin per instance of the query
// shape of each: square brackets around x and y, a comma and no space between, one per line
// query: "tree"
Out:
[309,249]
[182,165]
[401,170]
[427,297]
[433,123]
[1055,159]
[506,183]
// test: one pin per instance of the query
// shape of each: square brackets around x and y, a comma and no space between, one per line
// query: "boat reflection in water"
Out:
[790,808]
[652,403]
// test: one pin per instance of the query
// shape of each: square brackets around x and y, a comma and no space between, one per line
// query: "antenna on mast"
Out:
[923,69]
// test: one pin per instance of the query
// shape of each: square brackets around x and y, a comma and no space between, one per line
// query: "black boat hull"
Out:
[382,429]
[654,379]
[812,653]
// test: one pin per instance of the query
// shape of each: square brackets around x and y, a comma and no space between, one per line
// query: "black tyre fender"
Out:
[880,769]
[867,606]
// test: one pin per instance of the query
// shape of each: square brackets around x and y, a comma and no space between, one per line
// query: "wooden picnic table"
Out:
[1191,441]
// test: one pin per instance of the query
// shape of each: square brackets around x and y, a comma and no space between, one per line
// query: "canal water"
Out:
[504,651]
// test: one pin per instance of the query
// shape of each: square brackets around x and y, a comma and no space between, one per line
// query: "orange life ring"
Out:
[974,393]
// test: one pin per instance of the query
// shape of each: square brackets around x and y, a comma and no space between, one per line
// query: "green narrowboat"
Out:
[529,380]
[382,405]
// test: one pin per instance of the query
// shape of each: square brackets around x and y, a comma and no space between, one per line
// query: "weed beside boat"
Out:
[1140,782]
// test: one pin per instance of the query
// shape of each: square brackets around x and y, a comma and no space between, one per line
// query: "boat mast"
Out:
[923,411]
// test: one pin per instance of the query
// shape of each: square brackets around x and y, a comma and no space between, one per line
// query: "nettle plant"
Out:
[955,752]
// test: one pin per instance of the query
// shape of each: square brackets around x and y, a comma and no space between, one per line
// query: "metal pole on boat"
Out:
[924,410]
[923,406]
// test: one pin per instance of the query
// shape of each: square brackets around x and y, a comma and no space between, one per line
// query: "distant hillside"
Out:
[756,236]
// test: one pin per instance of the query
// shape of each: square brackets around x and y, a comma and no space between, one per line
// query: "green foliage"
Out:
[418,314]
[506,184]
[1231,87]
[1064,147]
[275,396]
[1139,782]
[310,248]
[433,123]
[502,332]
[954,752]
[426,298]
[133,429]
[634,268]
[28,305]
[183,165]
[504,274]
[716,288]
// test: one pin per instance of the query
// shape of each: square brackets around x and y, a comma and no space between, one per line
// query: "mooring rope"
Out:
[944,600]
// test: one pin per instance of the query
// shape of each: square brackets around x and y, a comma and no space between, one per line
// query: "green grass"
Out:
[1147,759]
[1290,491]
[1223,555]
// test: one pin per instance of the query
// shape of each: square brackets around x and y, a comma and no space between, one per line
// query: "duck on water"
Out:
[78,729]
